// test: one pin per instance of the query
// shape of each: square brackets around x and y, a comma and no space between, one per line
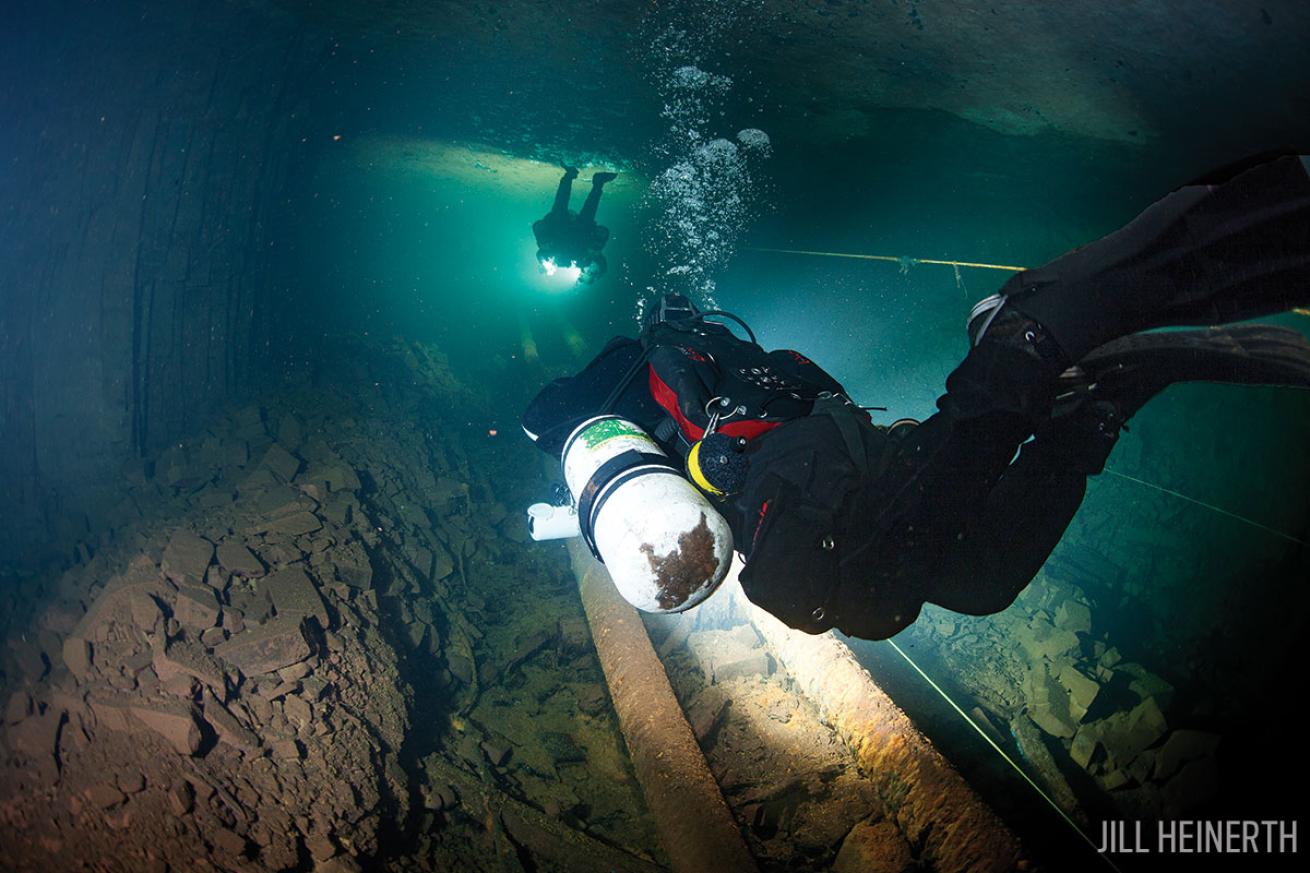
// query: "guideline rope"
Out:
[903,262]
[973,724]
[991,742]
[906,262]
[1210,506]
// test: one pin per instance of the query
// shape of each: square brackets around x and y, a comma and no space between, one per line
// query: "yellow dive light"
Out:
[697,474]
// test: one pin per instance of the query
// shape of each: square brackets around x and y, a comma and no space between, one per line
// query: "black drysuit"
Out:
[845,525]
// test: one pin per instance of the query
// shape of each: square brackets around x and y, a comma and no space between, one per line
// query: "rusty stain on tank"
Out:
[691,564]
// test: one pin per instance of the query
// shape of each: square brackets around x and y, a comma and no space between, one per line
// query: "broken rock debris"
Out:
[221,677]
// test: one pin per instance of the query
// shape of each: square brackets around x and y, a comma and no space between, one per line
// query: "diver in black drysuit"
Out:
[565,238]
[844,524]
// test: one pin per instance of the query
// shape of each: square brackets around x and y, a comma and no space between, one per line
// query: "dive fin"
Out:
[1112,382]
[1247,354]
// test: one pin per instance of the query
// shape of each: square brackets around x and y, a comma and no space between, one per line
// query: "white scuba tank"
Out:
[665,546]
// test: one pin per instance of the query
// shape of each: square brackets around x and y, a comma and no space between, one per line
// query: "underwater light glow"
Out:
[567,274]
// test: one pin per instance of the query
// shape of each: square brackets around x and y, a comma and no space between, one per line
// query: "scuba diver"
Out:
[847,524]
[568,239]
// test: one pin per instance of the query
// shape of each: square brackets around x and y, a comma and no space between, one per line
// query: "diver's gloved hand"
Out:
[670,307]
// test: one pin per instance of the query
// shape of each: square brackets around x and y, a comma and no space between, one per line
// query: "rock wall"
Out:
[142,150]
[314,639]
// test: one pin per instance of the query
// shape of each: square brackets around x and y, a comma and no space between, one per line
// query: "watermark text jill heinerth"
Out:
[1198,836]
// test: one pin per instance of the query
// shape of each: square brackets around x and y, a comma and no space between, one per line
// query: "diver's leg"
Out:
[1005,543]
[938,476]
[944,470]
[589,208]
[983,526]
[1203,255]
[993,552]
[963,527]
[564,192]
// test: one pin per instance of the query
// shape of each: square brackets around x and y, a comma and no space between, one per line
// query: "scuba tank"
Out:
[665,546]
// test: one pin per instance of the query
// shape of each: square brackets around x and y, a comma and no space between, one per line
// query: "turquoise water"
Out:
[1197,588]
[419,160]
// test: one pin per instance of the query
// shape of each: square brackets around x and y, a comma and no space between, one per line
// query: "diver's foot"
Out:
[981,316]
[1096,399]
[1007,326]
[570,172]
[602,178]
[1013,366]
[990,319]
[1133,369]
[902,427]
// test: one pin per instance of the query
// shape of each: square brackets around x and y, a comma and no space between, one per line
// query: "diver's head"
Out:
[671,307]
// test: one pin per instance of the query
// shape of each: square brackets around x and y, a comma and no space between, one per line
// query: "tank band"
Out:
[619,469]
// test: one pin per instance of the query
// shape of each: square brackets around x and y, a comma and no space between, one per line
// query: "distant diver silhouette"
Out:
[568,239]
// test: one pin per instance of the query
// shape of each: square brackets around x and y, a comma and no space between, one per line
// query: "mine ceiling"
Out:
[818,71]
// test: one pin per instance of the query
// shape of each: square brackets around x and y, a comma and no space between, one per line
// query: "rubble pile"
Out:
[312,640]
[1044,674]
[224,693]
[516,748]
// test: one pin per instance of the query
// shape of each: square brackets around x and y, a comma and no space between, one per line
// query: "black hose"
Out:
[623,383]
[744,326]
